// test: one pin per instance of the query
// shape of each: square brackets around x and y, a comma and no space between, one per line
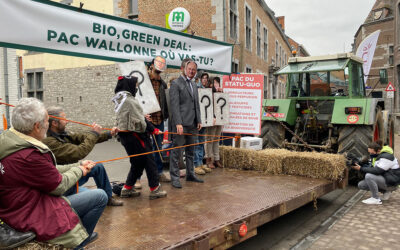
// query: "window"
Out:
[235,67]
[276,54]
[233,16]
[285,60]
[265,44]
[280,56]
[248,69]
[391,60]
[258,38]
[391,49]
[35,85]
[265,86]
[248,28]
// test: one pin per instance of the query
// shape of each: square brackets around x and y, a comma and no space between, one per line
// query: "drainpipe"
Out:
[6,83]
[224,11]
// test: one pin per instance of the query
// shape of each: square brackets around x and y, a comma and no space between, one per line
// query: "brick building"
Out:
[381,17]
[84,87]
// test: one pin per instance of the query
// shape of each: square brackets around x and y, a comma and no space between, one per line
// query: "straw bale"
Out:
[282,161]
[35,245]
[315,165]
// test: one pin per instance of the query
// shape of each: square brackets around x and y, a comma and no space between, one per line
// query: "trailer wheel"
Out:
[273,134]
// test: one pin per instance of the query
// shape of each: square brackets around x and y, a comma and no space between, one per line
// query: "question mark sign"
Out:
[206,106]
[222,106]
[138,73]
[212,60]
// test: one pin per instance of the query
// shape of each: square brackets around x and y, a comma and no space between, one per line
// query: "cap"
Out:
[160,63]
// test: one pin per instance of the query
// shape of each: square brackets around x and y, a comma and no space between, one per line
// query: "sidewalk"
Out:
[365,227]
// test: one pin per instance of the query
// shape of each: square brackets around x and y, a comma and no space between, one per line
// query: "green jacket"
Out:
[72,147]
[12,141]
[385,149]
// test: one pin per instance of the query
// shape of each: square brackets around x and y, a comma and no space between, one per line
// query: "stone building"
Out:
[10,85]
[84,87]
[381,17]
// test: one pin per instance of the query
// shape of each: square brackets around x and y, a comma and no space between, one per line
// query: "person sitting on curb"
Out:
[134,134]
[382,175]
[70,148]
[31,185]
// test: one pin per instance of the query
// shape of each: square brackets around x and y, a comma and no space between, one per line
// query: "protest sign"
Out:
[206,107]
[221,108]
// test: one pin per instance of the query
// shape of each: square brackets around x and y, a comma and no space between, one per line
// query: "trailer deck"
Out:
[203,216]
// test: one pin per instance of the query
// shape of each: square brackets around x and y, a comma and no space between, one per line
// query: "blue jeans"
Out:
[159,139]
[89,205]
[100,177]
[199,149]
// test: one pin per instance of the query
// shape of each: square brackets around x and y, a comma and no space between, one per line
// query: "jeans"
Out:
[100,177]
[199,149]
[89,205]
[133,145]
[159,139]
[373,183]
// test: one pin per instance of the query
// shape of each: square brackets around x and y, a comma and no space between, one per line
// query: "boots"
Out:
[9,238]
[205,168]
[218,164]
[199,170]
[210,163]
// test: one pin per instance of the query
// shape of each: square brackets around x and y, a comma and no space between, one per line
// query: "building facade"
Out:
[381,17]
[84,87]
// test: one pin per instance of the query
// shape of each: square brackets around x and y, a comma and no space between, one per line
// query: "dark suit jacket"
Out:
[185,109]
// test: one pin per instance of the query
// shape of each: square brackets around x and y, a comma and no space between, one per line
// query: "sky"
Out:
[322,26]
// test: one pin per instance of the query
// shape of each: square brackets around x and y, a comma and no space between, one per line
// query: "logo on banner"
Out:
[179,19]
[352,119]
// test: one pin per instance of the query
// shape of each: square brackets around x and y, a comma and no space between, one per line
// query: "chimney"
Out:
[281,21]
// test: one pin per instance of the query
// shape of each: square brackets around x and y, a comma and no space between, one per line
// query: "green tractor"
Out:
[326,107]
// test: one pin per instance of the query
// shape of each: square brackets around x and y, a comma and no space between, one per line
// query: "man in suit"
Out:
[185,118]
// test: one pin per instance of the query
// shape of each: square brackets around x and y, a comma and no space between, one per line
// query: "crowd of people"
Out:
[43,166]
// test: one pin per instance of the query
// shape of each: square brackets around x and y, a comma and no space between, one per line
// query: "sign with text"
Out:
[145,94]
[221,108]
[245,103]
[206,107]
[47,26]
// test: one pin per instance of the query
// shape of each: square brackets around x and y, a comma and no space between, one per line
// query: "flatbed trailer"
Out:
[208,215]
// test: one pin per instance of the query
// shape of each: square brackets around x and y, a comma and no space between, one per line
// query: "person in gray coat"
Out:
[185,119]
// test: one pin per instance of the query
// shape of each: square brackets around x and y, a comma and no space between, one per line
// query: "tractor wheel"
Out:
[355,140]
[273,134]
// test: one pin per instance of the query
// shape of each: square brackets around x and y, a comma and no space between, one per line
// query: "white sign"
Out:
[206,107]
[47,26]
[179,19]
[390,94]
[221,108]
[245,103]
[366,51]
[145,94]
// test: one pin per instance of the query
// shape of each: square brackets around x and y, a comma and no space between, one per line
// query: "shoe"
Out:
[157,193]
[138,185]
[125,193]
[199,171]
[372,201]
[182,173]
[94,236]
[194,179]
[205,168]
[218,164]
[386,195]
[9,238]
[209,163]
[176,184]
[114,202]
[165,177]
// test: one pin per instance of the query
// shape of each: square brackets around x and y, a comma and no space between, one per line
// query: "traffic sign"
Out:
[390,87]
[390,94]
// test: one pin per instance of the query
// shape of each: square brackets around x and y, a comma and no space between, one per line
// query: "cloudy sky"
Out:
[322,26]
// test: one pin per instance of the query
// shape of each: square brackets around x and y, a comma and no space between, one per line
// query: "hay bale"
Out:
[282,161]
[314,165]
[35,245]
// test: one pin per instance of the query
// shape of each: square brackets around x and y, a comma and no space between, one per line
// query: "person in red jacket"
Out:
[31,184]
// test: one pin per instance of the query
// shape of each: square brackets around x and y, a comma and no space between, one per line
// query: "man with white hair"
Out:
[31,184]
